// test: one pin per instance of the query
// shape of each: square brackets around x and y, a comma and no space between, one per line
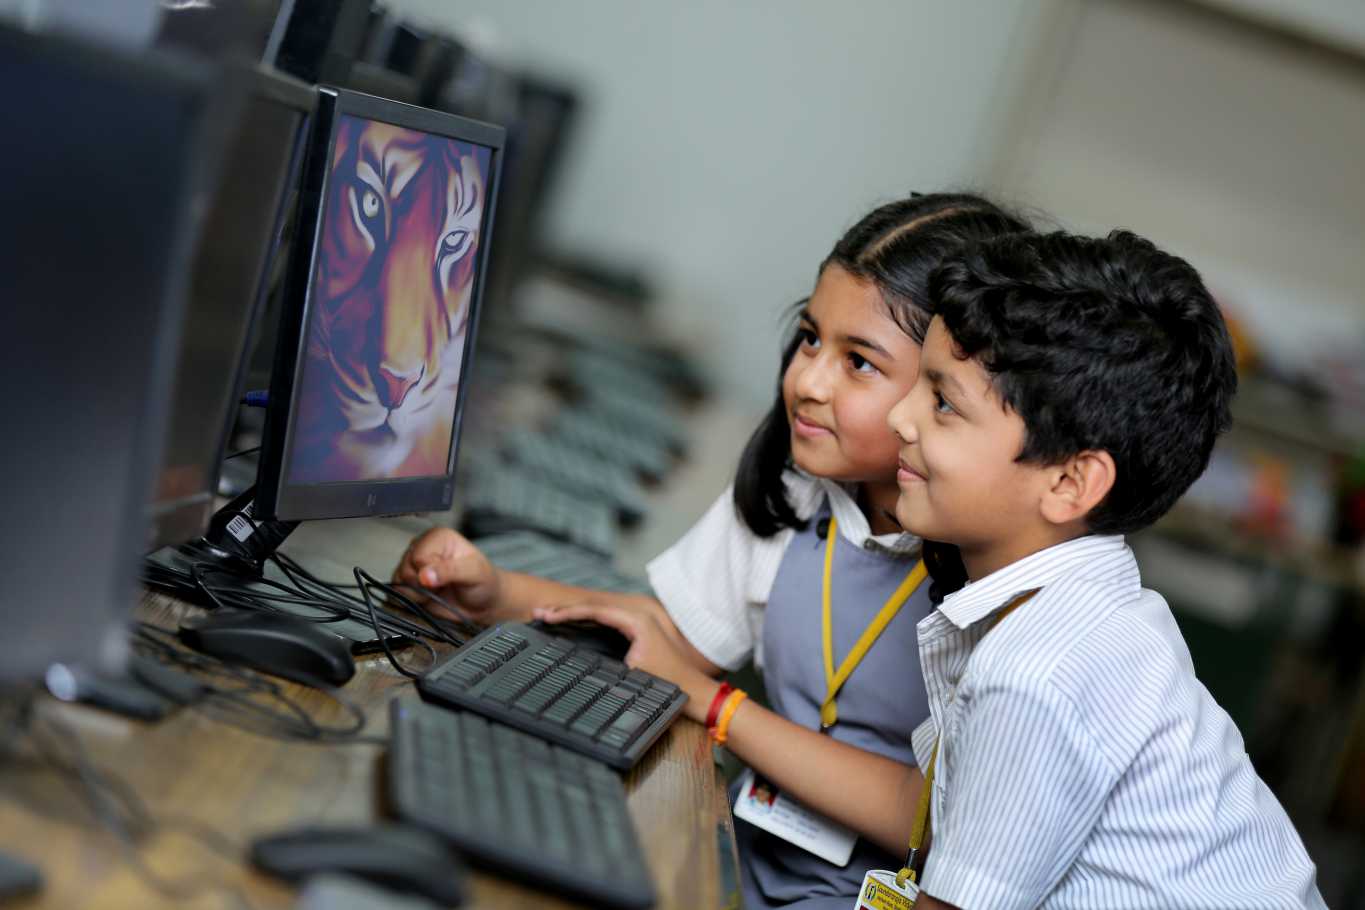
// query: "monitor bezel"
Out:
[276,497]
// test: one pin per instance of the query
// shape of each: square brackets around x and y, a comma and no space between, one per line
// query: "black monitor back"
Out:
[102,156]
[318,40]
[240,28]
[229,280]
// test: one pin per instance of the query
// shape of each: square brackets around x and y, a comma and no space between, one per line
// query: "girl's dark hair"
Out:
[896,247]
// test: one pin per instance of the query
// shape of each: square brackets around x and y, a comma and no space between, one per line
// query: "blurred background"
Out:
[686,166]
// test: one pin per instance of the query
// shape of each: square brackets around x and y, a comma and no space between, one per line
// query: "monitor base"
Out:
[238,540]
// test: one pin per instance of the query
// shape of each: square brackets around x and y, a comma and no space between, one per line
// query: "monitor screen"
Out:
[372,371]
[240,232]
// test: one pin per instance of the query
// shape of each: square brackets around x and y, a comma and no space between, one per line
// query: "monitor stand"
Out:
[240,542]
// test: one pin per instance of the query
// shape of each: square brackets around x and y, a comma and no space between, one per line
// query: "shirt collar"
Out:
[853,524]
[805,493]
[1103,555]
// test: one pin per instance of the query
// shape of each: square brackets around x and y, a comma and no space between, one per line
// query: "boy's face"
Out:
[853,363]
[959,480]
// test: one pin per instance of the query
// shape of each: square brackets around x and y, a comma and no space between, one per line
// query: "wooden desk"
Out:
[243,784]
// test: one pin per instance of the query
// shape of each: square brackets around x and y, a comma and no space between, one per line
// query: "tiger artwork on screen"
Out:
[391,304]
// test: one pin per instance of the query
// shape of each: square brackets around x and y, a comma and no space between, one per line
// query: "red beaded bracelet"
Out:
[714,711]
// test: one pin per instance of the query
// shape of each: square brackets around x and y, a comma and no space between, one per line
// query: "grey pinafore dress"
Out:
[879,705]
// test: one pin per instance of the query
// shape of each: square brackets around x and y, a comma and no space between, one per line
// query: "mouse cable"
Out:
[236,706]
[308,593]
[310,583]
[313,591]
[468,626]
[120,811]
[234,692]
[440,628]
[241,596]
[465,628]
[360,576]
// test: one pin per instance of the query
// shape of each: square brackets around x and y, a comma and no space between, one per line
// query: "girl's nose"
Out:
[813,382]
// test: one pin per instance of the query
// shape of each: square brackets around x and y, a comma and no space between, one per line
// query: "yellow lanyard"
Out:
[834,681]
[922,810]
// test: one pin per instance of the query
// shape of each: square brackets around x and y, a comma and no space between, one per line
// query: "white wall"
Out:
[1239,151]
[728,144]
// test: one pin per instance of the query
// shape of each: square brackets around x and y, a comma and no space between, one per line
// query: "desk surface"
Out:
[190,766]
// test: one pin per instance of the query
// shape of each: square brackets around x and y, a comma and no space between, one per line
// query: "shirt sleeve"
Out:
[1023,785]
[711,580]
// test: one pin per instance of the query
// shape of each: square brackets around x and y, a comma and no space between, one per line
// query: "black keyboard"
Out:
[577,471]
[582,430]
[542,814]
[544,685]
[499,498]
[660,426]
[534,554]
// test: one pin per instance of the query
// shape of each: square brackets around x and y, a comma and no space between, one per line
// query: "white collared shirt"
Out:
[716,579]
[1082,764]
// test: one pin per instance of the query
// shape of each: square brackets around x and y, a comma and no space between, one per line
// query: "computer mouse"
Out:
[281,645]
[392,856]
[588,635]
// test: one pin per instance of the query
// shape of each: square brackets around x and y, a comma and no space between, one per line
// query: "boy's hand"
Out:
[445,562]
[652,646]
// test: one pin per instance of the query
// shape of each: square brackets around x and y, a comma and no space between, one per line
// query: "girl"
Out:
[794,566]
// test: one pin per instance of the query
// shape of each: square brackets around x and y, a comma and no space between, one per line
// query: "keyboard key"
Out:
[565,695]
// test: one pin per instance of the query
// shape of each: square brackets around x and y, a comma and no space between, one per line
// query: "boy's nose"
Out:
[899,421]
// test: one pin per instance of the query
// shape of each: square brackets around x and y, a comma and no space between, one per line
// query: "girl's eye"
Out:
[861,364]
[808,338]
[941,404]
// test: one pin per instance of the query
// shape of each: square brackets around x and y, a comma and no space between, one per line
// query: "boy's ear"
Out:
[1078,485]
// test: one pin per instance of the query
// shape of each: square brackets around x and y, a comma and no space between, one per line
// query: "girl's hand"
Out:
[652,647]
[443,561]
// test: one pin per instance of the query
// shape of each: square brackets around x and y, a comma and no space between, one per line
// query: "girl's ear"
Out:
[1078,485]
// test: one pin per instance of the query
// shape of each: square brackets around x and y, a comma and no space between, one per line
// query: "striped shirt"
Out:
[1082,764]
[715,581]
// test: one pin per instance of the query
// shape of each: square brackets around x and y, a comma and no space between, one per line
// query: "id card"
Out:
[880,892]
[764,806]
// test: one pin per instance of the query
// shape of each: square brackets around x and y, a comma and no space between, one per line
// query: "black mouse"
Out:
[394,856]
[283,645]
[588,635]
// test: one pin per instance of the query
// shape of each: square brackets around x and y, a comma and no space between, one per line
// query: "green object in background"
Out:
[1233,664]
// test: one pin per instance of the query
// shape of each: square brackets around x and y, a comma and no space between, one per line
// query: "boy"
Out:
[1070,391]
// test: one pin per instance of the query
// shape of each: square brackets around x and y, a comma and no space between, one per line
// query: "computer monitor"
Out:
[318,40]
[229,278]
[373,79]
[383,302]
[222,28]
[103,156]
[536,142]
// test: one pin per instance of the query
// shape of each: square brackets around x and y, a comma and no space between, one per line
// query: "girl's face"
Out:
[852,365]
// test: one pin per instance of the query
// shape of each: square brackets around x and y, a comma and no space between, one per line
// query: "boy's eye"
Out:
[860,363]
[941,404]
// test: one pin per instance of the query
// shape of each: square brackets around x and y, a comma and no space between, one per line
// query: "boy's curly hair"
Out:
[1097,343]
